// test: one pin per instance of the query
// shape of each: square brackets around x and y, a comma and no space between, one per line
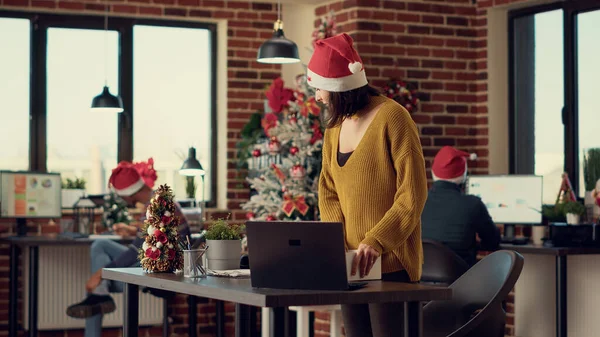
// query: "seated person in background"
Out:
[133,183]
[450,216]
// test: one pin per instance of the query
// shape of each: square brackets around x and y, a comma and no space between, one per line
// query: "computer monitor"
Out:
[510,199]
[26,195]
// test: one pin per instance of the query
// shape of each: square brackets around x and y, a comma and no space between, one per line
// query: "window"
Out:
[170,108]
[546,70]
[172,100]
[14,93]
[588,51]
[81,143]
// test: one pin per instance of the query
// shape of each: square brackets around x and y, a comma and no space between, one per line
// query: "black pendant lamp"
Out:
[278,49]
[191,166]
[106,102]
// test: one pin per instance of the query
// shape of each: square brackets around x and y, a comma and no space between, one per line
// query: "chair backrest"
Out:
[442,265]
[483,287]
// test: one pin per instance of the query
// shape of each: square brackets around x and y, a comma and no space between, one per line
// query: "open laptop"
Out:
[298,255]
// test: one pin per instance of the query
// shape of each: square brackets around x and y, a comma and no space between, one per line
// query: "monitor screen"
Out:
[510,199]
[30,195]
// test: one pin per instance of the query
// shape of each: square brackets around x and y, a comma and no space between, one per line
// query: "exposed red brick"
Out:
[71,5]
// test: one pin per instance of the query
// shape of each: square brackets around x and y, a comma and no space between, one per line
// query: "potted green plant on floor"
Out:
[224,243]
[573,211]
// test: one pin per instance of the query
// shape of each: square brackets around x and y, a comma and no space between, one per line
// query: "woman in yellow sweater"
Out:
[373,179]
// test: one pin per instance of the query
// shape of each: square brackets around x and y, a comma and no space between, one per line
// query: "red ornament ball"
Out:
[270,218]
[250,215]
[294,150]
[256,153]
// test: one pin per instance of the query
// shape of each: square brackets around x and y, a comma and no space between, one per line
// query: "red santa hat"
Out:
[335,65]
[127,178]
[450,163]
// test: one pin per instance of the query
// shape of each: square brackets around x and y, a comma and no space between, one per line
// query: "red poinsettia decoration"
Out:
[278,96]
[310,107]
[268,122]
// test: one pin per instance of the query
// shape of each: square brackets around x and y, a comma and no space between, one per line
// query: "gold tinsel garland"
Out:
[161,251]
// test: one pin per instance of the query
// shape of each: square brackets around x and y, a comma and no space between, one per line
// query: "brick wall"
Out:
[249,23]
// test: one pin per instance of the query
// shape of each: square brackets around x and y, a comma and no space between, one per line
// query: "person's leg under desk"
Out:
[357,321]
[102,253]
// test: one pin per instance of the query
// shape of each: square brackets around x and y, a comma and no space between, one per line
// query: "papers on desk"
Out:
[233,273]
[374,274]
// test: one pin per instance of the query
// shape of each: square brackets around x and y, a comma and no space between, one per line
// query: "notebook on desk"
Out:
[374,274]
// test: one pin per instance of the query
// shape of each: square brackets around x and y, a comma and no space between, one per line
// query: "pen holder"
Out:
[192,263]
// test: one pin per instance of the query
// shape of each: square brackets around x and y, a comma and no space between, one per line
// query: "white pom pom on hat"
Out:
[355,67]
[473,156]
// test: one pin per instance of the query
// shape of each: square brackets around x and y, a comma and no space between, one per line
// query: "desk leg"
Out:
[220,311]
[192,315]
[131,310]
[33,290]
[279,322]
[561,296]
[13,291]
[242,315]
[413,319]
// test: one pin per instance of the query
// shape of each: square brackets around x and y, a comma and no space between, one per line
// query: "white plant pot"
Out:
[69,196]
[572,219]
[223,254]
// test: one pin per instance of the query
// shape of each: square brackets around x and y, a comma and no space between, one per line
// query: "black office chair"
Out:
[475,309]
[442,265]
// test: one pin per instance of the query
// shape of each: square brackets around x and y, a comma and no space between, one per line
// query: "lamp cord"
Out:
[279,10]
[106,46]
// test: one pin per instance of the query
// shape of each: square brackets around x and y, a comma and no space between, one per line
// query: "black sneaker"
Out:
[91,306]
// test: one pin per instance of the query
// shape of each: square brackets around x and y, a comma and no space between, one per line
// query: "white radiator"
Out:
[63,272]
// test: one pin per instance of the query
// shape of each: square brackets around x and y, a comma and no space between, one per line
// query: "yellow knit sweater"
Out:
[380,192]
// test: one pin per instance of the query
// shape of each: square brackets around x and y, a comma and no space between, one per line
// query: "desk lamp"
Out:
[192,167]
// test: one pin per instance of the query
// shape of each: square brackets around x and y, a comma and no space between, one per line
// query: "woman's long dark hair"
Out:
[346,104]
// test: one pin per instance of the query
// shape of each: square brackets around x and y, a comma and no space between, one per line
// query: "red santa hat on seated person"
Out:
[335,65]
[451,164]
[129,178]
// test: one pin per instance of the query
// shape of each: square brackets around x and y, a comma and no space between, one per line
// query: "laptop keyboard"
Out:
[356,285]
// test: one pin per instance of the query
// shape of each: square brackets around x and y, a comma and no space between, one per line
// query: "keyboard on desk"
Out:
[515,241]
[72,235]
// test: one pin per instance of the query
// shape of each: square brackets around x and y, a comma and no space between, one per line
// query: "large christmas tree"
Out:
[282,150]
[161,251]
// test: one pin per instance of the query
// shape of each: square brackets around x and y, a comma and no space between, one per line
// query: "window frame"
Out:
[40,22]
[570,110]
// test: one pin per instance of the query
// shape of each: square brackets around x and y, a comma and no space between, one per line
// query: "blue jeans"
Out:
[102,252]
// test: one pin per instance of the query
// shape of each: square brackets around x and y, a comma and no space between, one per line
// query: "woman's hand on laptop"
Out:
[364,260]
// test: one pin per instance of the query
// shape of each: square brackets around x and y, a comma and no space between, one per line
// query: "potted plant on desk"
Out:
[72,191]
[573,210]
[225,245]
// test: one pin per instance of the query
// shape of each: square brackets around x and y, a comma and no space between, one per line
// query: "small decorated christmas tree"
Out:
[161,251]
[114,210]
